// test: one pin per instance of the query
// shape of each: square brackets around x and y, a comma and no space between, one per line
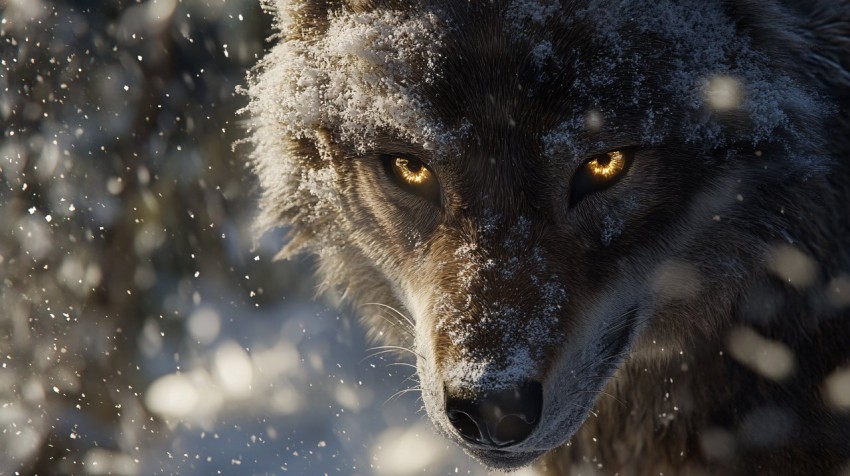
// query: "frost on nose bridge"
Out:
[495,320]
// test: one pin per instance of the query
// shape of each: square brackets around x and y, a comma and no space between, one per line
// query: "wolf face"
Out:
[546,188]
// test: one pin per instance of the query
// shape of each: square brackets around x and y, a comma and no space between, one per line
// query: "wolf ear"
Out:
[309,19]
[361,6]
[303,19]
[365,6]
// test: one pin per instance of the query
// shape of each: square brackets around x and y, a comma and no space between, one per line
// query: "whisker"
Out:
[615,398]
[402,392]
[398,348]
[401,364]
[376,354]
[401,325]
[406,319]
[395,323]
[602,392]
[379,353]
[414,377]
[600,362]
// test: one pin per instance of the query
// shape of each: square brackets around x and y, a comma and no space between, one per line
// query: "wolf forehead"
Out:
[440,73]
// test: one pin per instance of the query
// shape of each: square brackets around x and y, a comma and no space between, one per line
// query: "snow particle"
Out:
[836,389]
[723,93]
[770,358]
[792,266]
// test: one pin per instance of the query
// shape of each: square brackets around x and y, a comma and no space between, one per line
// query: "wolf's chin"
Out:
[504,460]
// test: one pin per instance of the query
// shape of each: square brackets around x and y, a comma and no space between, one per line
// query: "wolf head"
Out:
[543,187]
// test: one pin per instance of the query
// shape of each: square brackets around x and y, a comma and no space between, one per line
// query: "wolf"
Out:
[615,234]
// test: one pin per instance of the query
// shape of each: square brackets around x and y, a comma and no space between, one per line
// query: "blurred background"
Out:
[142,328]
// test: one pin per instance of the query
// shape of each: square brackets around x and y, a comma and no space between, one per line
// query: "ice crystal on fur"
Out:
[474,367]
[521,13]
[360,79]
[703,46]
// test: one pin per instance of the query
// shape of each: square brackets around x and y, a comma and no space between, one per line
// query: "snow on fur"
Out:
[358,80]
[703,45]
[363,75]
[524,335]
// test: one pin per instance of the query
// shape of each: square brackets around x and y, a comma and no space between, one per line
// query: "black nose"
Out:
[497,419]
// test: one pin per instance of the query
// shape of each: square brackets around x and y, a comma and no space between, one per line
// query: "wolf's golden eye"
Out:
[412,176]
[600,172]
[410,171]
[607,166]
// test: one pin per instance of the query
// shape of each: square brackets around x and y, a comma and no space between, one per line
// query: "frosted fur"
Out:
[705,45]
[363,76]
[505,279]
[522,12]
[358,80]
[475,367]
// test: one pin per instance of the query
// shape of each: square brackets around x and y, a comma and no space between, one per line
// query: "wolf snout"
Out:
[496,419]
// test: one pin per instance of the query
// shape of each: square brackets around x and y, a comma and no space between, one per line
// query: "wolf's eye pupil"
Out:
[411,172]
[412,176]
[413,167]
[599,173]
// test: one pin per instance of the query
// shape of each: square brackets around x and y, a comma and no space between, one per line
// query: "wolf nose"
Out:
[497,419]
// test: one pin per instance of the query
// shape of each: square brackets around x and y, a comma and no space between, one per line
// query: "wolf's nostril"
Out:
[511,429]
[497,419]
[466,426]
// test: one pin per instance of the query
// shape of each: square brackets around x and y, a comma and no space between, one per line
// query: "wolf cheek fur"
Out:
[637,239]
